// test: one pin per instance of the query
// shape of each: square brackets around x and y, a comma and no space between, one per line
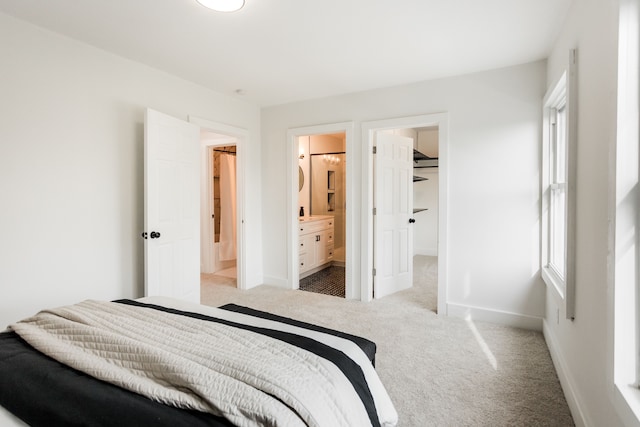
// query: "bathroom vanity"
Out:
[316,243]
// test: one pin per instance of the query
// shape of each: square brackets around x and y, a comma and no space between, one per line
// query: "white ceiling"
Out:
[279,51]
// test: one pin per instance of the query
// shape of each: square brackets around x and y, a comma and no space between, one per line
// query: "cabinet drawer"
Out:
[311,227]
[329,236]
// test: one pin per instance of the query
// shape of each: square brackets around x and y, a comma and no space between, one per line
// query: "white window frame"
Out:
[559,179]
[624,263]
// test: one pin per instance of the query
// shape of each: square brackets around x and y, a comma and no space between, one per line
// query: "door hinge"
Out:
[375,149]
[375,211]
[374,272]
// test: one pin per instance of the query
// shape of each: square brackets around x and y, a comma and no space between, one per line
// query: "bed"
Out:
[164,362]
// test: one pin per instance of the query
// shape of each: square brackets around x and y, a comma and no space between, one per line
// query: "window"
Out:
[626,260]
[558,193]
[558,188]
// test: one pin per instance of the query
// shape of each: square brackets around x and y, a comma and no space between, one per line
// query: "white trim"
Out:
[426,251]
[564,91]
[554,284]
[277,282]
[626,401]
[569,386]
[351,252]
[499,317]
[368,130]
[624,242]
[242,141]
[572,166]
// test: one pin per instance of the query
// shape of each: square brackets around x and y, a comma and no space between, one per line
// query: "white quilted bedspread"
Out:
[250,379]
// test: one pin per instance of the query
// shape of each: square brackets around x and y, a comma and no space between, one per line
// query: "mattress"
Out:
[43,391]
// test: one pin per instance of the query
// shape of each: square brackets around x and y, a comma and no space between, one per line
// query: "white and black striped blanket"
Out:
[250,370]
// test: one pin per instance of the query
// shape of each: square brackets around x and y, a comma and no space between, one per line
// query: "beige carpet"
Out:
[438,371]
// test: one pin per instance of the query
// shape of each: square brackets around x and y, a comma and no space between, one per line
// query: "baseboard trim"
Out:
[495,316]
[426,251]
[276,281]
[566,381]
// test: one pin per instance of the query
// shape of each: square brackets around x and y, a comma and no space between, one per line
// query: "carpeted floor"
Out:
[439,371]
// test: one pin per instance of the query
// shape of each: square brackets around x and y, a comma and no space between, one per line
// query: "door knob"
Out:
[154,235]
[411,221]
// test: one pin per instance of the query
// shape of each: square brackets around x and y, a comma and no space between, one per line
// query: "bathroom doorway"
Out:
[219,231]
[322,214]
[322,230]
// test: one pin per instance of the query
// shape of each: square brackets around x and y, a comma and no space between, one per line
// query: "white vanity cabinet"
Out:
[316,243]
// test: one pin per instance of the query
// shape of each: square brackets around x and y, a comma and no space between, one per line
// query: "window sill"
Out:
[626,400]
[553,283]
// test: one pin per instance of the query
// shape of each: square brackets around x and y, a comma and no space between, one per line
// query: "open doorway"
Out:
[322,214]
[406,249]
[435,201]
[328,179]
[424,189]
[219,209]
[176,158]
[426,184]
[222,215]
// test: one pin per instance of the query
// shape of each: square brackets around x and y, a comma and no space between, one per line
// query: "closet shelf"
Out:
[421,160]
[416,210]
[417,178]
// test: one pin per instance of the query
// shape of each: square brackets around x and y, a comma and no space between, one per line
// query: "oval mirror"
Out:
[300,178]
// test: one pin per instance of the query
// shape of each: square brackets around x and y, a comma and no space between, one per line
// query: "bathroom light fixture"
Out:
[222,5]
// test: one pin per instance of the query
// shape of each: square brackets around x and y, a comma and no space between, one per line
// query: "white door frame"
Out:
[241,138]
[367,241]
[292,201]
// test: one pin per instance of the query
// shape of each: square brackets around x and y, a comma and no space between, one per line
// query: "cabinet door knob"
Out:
[411,220]
[154,235]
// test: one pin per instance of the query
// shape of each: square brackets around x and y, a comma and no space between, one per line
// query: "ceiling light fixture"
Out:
[222,5]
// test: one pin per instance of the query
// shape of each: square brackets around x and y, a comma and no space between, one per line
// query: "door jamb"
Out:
[367,241]
[292,205]
[241,137]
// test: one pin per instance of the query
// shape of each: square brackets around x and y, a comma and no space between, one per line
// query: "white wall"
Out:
[582,348]
[71,165]
[495,120]
[428,142]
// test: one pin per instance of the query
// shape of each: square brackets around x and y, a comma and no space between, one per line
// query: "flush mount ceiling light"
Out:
[222,5]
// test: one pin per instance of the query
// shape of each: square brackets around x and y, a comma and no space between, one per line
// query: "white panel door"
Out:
[393,201]
[172,207]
